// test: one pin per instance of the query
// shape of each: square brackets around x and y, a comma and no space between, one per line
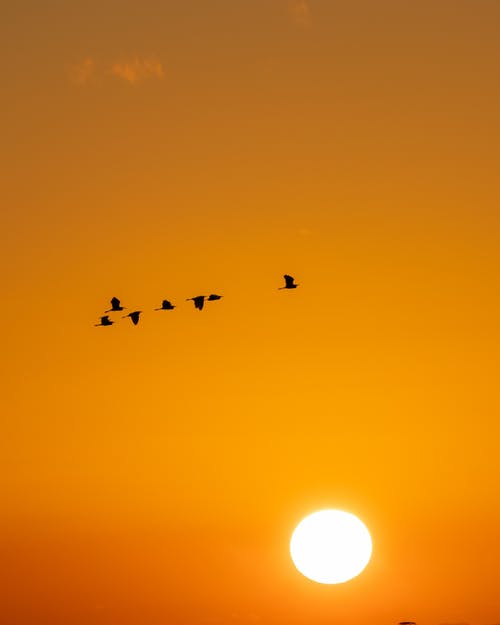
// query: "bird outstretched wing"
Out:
[288,280]
[115,302]
[135,316]
[105,321]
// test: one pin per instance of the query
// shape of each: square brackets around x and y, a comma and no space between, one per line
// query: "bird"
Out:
[213,297]
[199,301]
[134,316]
[115,305]
[407,623]
[105,321]
[166,305]
[289,283]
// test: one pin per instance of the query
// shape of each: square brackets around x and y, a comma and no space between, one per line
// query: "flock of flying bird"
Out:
[199,302]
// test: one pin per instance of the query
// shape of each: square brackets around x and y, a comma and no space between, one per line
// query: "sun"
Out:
[331,546]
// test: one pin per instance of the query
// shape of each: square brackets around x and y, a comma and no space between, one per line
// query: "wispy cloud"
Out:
[133,70]
[300,11]
[138,69]
[81,73]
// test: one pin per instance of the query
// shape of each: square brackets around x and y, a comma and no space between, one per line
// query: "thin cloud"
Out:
[300,10]
[82,73]
[137,69]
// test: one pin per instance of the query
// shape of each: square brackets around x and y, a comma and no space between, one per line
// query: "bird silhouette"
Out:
[199,301]
[105,321]
[166,305]
[213,297]
[134,316]
[289,283]
[407,623]
[115,305]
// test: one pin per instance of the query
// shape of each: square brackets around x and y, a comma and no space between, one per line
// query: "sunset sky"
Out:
[154,474]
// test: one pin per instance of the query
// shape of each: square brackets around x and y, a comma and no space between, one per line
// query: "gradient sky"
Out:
[160,149]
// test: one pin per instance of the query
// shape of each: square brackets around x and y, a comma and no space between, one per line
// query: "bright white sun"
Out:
[331,546]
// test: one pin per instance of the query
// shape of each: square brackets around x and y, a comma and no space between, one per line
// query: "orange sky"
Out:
[151,150]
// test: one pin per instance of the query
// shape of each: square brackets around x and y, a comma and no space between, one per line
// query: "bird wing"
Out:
[212,297]
[115,302]
[199,301]
[135,317]
[288,280]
